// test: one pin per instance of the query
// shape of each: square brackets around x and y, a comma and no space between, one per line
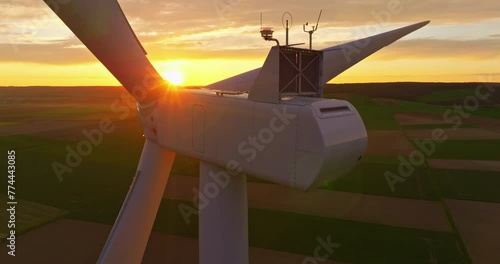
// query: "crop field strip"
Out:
[29,215]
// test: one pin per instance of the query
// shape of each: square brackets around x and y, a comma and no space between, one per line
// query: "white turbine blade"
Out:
[104,30]
[240,82]
[129,237]
[339,58]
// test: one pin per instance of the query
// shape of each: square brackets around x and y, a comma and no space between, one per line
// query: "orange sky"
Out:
[212,40]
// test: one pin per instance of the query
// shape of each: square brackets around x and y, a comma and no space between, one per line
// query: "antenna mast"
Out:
[286,24]
[314,28]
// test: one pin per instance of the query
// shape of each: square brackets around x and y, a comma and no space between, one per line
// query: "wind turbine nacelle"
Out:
[318,140]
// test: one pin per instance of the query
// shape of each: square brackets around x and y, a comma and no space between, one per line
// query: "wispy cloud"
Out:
[53,52]
[479,49]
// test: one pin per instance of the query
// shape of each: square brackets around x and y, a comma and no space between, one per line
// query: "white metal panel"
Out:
[233,123]
[329,146]
[199,128]
[266,86]
[240,82]
[275,128]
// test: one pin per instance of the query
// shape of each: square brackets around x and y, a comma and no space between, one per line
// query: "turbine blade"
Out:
[129,237]
[105,31]
[240,82]
[348,54]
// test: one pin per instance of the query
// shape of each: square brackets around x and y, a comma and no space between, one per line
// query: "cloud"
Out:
[22,10]
[54,52]
[181,17]
[71,51]
[480,49]
[194,29]
[339,13]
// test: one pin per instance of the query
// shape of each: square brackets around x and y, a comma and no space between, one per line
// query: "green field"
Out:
[95,189]
[468,150]
[449,95]
[8,123]
[29,215]
[469,185]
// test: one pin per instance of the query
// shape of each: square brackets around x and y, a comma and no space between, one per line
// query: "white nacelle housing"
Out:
[317,139]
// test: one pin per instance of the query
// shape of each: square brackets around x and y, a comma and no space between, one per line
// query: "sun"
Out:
[174,76]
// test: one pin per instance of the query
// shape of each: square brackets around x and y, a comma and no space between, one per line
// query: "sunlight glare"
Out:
[174,76]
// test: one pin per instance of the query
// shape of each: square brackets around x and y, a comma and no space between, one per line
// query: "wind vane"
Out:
[314,28]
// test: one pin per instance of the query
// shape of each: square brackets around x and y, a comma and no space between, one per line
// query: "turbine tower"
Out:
[270,122]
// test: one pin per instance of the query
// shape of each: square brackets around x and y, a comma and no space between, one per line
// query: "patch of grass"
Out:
[468,150]
[418,107]
[387,160]
[377,118]
[433,126]
[368,178]
[9,123]
[447,95]
[29,215]
[18,142]
[359,242]
[75,113]
[469,185]
[184,165]
[490,112]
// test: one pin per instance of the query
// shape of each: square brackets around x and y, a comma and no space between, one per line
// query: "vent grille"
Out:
[328,110]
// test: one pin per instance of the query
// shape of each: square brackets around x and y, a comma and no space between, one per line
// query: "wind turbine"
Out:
[270,122]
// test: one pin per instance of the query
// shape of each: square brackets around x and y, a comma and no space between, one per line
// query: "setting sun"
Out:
[174,76]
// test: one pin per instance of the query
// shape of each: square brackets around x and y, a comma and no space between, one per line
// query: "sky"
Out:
[201,42]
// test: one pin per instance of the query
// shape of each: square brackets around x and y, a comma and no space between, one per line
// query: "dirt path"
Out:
[387,143]
[418,119]
[455,134]
[476,165]
[491,124]
[477,223]
[486,123]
